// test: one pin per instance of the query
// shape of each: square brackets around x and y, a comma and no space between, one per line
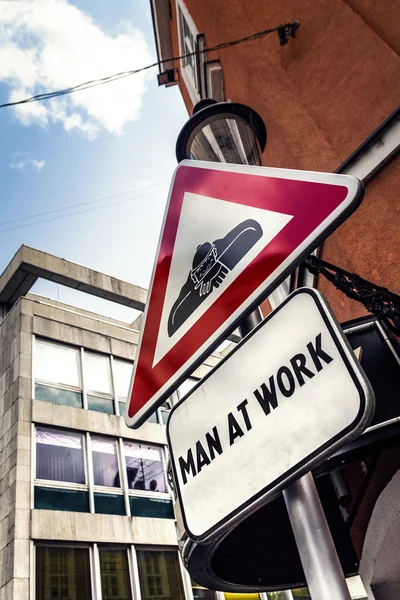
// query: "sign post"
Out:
[314,542]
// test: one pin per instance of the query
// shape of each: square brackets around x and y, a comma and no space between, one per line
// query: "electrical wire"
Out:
[80,212]
[289,30]
[68,206]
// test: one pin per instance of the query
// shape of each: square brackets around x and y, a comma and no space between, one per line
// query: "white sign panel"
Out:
[287,396]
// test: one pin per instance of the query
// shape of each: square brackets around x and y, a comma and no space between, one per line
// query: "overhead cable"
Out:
[284,32]
[78,204]
[79,212]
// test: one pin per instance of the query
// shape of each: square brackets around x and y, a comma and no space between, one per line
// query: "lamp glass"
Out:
[224,138]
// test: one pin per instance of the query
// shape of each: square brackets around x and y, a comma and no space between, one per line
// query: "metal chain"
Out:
[377,299]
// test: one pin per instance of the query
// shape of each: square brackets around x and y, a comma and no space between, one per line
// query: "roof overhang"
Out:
[161,17]
[29,264]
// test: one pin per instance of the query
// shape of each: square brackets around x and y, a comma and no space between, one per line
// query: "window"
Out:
[114,573]
[275,596]
[65,572]
[214,77]
[144,467]
[234,596]
[186,386]
[122,379]
[153,418]
[187,34]
[98,384]
[151,507]
[159,575]
[122,374]
[57,372]
[60,469]
[106,474]
[47,498]
[165,410]
[105,462]
[103,387]
[202,593]
[62,484]
[62,573]
[59,456]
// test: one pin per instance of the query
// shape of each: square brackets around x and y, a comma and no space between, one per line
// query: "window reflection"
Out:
[62,574]
[105,462]
[145,468]
[57,363]
[186,386]
[159,575]
[59,456]
[122,376]
[97,373]
[114,571]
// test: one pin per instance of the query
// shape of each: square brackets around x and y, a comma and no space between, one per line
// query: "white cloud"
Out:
[46,45]
[39,164]
[25,162]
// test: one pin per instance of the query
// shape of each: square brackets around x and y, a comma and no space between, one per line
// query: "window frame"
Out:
[190,78]
[129,551]
[94,565]
[146,493]
[83,390]
[90,486]
[187,590]
[106,489]
[55,483]
[70,545]
[87,392]
[59,386]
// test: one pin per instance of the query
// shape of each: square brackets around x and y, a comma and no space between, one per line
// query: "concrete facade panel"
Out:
[28,264]
[21,563]
[46,413]
[72,526]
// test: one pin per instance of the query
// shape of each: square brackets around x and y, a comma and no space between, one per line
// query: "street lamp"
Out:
[223,132]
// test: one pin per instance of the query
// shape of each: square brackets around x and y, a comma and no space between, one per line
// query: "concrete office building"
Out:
[85,509]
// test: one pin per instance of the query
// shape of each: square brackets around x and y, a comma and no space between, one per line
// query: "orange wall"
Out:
[320,96]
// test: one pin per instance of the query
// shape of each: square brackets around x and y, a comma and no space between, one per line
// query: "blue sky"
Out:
[115,143]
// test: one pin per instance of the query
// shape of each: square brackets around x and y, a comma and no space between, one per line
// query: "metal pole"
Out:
[250,322]
[314,541]
[322,569]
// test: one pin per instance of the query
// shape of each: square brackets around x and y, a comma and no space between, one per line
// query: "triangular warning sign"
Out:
[231,234]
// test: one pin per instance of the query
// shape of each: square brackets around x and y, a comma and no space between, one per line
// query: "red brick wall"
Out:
[320,97]
[368,242]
